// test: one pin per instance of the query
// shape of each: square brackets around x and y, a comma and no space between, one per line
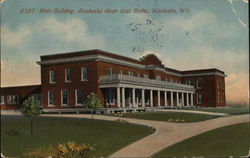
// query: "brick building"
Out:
[122,83]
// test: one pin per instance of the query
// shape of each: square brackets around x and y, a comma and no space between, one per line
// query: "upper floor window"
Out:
[199,83]
[52,77]
[67,74]
[51,98]
[65,97]
[158,77]
[13,99]
[145,75]
[130,73]
[84,74]
[171,80]
[138,75]
[121,72]
[79,96]
[191,82]
[199,98]
[110,71]
[2,99]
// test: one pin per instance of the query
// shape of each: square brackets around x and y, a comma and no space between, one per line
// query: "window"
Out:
[13,99]
[37,96]
[130,73]
[84,74]
[199,98]
[171,80]
[109,71]
[2,99]
[121,72]
[166,79]
[145,75]
[186,82]
[65,97]
[191,82]
[199,83]
[51,98]
[110,96]
[158,77]
[138,75]
[52,78]
[79,96]
[67,75]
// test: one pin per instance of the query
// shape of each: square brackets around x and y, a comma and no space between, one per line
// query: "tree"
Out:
[30,109]
[93,103]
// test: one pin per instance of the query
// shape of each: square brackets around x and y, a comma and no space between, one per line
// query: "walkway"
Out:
[193,111]
[166,133]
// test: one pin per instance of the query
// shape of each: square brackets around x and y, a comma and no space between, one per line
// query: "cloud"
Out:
[23,46]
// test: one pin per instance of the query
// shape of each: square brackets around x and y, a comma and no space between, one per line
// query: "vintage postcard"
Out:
[116,78]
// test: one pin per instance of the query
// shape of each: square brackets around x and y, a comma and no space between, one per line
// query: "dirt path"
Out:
[166,133]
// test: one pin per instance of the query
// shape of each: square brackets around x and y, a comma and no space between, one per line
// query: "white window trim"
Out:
[82,79]
[62,98]
[8,99]
[197,83]
[2,99]
[50,81]
[76,104]
[66,75]
[51,105]
[198,98]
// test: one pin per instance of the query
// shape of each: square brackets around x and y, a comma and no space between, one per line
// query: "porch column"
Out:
[192,100]
[172,98]
[151,98]
[182,99]
[165,98]
[187,95]
[159,98]
[118,97]
[123,97]
[133,97]
[143,97]
[177,98]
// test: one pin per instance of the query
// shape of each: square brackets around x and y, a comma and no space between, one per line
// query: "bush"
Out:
[63,150]
[170,120]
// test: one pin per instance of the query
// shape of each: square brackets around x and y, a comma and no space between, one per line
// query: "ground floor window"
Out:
[51,98]
[12,99]
[79,96]
[110,96]
[65,97]
[199,98]
[2,101]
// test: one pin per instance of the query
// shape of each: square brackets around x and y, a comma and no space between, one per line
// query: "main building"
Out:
[121,83]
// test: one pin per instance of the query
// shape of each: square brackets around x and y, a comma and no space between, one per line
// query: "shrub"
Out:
[63,150]
[170,120]
[177,120]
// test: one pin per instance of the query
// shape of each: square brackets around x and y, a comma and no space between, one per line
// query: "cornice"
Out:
[98,57]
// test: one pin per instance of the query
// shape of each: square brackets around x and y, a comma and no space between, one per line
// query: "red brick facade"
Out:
[99,63]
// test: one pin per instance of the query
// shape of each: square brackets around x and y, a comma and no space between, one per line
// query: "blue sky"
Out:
[213,34]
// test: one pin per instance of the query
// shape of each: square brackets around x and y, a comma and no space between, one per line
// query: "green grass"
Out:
[228,110]
[107,136]
[227,141]
[165,116]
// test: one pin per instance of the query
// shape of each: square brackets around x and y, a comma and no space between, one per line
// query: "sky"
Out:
[206,34]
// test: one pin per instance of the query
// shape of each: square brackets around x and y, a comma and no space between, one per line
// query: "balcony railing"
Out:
[145,81]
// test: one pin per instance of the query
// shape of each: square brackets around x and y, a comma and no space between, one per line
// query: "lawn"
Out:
[106,136]
[227,141]
[228,110]
[165,116]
